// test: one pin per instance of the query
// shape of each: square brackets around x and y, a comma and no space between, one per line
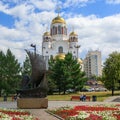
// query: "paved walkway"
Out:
[40,113]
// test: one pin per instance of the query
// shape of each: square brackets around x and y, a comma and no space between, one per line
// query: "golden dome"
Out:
[79,61]
[58,19]
[60,56]
[46,34]
[73,34]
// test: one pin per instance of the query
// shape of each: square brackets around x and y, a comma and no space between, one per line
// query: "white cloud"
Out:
[113,1]
[28,27]
[98,33]
[3,7]
[44,4]
[94,33]
[80,3]
[23,8]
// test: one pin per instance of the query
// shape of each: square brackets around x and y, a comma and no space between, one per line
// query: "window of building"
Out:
[54,30]
[60,49]
[59,29]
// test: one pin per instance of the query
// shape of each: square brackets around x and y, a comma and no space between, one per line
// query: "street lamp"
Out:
[77,46]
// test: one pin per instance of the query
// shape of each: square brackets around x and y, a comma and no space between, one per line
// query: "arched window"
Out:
[59,29]
[60,49]
[64,30]
[53,30]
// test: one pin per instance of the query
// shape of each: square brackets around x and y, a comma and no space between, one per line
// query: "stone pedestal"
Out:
[32,103]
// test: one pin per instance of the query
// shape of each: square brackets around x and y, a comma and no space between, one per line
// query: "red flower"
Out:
[67,113]
[94,117]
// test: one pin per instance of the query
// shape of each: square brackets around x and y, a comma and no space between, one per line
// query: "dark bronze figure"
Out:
[36,85]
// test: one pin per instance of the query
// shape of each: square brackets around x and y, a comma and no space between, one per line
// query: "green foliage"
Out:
[2,69]
[51,82]
[66,73]
[9,72]
[111,72]
[56,72]
[26,68]
[74,75]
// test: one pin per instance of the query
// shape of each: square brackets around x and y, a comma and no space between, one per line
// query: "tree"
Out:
[26,68]
[26,72]
[2,70]
[66,73]
[56,73]
[111,71]
[10,72]
[51,83]
[75,78]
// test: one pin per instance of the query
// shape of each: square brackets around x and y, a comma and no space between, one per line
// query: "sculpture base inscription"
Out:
[32,103]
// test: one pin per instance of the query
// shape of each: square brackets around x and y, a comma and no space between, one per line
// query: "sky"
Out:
[23,22]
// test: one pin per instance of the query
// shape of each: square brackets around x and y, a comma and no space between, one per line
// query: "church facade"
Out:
[58,42]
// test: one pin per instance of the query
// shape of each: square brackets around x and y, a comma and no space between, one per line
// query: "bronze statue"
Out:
[37,81]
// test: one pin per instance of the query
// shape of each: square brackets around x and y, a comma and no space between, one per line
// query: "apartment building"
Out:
[92,64]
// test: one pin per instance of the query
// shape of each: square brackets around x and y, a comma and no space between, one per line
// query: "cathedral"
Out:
[58,42]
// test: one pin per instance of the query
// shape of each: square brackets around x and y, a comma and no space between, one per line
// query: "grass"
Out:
[8,98]
[101,96]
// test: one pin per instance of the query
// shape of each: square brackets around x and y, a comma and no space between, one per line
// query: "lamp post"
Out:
[34,46]
[77,47]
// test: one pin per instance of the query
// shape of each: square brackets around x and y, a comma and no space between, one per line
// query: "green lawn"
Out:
[101,96]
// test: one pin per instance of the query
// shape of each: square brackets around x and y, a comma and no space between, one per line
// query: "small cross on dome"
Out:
[58,9]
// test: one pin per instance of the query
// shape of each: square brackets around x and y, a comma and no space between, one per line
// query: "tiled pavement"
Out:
[40,113]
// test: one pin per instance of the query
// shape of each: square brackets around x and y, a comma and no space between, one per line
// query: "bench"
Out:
[78,98]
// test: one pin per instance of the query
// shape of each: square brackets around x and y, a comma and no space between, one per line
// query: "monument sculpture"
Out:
[34,88]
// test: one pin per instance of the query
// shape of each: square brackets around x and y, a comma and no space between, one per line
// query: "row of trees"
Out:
[63,74]
[66,74]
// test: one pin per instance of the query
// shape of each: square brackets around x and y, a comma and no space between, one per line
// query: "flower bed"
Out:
[12,114]
[98,112]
